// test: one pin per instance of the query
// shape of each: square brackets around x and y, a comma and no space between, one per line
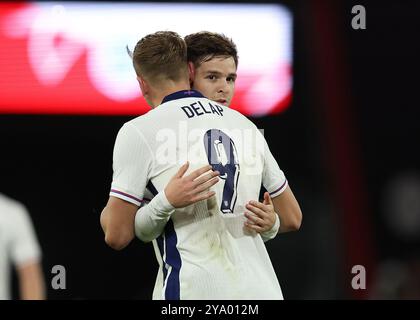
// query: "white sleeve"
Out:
[24,247]
[273,178]
[132,162]
[151,219]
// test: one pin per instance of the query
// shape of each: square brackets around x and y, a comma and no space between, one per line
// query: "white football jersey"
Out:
[18,242]
[204,252]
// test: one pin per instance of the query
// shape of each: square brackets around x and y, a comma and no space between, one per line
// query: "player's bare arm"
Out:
[117,218]
[117,221]
[31,281]
[288,210]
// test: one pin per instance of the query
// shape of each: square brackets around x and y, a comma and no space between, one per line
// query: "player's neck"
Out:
[171,87]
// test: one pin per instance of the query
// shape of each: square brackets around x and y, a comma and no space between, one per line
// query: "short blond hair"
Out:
[161,56]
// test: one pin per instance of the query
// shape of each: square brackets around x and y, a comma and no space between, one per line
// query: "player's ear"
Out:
[144,87]
[191,71]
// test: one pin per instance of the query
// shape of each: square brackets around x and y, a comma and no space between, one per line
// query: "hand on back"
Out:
[261,216]
[183,191]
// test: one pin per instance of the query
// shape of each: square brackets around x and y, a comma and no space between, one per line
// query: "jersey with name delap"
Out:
[205,252]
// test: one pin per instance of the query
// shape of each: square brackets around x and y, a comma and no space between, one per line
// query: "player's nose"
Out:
[224,87]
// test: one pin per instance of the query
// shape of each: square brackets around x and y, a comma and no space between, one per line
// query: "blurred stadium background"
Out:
[344,129]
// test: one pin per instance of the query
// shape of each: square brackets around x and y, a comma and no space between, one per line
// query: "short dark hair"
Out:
[161,56]
[204,46]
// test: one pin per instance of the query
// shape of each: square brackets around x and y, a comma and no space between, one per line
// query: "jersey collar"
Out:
[182,94]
